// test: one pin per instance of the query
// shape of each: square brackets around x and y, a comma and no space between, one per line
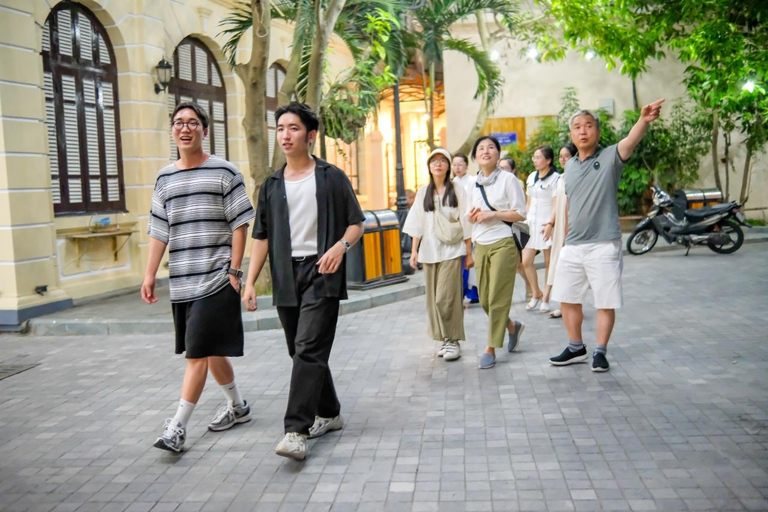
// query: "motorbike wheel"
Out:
[642,241]
[736,235]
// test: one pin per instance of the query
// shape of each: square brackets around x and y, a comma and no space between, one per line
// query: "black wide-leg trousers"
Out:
[309,329]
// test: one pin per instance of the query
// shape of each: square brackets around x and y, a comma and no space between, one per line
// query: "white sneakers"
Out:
[324,425]
[452,351]
[293,446]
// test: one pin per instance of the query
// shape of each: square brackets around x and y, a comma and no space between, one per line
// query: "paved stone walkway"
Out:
[679,423]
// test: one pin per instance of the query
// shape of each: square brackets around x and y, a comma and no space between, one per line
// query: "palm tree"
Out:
[432,22]
[356,22]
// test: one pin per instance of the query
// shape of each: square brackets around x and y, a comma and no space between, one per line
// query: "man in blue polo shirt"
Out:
[592,256]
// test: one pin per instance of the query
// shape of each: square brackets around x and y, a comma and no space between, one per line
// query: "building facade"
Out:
[84,131]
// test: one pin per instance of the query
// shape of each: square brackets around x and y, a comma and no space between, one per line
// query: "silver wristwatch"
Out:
[346,245]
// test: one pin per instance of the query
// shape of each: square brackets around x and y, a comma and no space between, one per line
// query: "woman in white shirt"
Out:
[540,188]
[460,166]
[557,227]
[441,256]
[497,201]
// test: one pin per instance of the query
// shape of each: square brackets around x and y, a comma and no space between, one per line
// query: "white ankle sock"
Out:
[183,413]
[233,395]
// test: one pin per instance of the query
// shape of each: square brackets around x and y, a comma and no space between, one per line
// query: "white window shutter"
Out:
[86,37]
[201,66]
[185,61]
[64,18]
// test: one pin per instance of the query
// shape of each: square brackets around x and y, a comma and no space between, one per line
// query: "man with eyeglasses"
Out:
[200,211]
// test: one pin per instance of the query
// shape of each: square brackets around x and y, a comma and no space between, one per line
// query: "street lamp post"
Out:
[402,205]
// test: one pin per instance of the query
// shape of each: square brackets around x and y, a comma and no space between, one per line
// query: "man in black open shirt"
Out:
[307,219]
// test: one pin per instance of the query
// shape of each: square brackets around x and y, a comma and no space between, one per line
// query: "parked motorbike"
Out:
[717,226]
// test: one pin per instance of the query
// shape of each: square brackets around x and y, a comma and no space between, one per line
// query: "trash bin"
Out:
[375,260]
[691,198]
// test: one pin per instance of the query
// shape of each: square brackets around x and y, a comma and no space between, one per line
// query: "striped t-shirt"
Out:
[195,211]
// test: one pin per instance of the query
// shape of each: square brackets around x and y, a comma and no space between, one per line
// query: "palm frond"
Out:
[239,21]
[489,79]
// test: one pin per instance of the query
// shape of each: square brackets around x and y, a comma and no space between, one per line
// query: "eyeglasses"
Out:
[436,161]
[192,125]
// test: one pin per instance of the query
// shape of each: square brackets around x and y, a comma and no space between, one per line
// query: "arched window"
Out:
[275,78]
[197,77]
[82,118]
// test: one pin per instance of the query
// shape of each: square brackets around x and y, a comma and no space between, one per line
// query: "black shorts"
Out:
[211,326]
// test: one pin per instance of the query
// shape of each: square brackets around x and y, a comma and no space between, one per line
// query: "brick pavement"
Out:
[679,423]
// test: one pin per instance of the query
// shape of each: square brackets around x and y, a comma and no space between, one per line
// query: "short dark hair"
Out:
[512,163]
[306,114]
[462,156]
[481,139]
[201,114]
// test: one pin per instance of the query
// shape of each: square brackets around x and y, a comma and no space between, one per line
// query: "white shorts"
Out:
[596,265]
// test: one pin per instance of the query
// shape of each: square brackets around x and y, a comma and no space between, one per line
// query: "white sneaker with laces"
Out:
[173,437]
[452,351]
[324,425]
[230,415]
[293,446]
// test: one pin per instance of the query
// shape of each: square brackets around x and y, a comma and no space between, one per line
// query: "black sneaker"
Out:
[599,362]
[567,357]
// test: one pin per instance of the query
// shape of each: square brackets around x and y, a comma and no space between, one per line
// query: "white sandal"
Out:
[544,307]
[532,305]
[556,314]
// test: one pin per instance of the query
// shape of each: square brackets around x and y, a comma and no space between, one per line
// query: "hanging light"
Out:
[590,55]
[163,72]
[532,52]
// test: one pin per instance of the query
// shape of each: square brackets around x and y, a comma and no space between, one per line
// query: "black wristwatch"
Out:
[235,272]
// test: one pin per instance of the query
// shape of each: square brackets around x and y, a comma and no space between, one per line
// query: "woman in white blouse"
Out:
[541,188]
[497,201]
[439,244]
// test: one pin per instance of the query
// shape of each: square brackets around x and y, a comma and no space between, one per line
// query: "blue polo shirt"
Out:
[592,187]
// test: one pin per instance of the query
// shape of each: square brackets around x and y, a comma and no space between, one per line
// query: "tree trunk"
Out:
[744,194]
[292,72]
[745,178]
[325,21]
[431,121]
[482,114]
[715,159]
[254,77]
[727,140]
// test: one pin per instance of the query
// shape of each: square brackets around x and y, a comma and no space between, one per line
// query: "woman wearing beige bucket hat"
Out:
[441,236]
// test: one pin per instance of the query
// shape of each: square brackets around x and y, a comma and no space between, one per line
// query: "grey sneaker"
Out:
[514,338]
[452,351]
[293,446]
[324,425]
[486,361]
[173,437]
[441,350]
[229,415]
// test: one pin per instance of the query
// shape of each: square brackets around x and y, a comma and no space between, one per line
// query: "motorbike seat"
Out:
[700,213]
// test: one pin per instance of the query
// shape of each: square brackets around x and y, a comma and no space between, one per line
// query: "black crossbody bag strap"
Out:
[485,199]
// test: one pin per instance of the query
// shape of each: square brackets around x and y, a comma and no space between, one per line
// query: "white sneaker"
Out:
[441,350]
[452,351]
[324,425]
[173,437]
[293,446]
